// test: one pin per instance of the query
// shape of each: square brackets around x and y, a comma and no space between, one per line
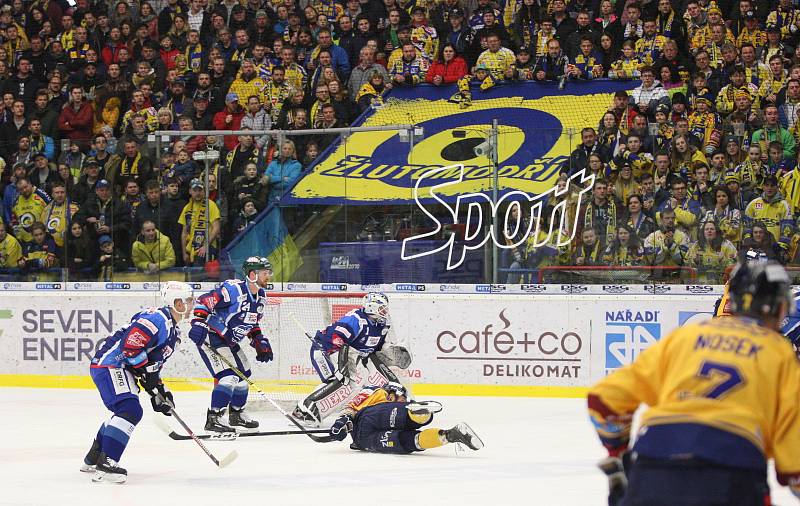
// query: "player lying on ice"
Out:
[359,334]
[381,420]
[723,397]
[136,352]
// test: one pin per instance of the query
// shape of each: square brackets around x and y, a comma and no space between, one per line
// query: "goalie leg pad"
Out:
[322,363]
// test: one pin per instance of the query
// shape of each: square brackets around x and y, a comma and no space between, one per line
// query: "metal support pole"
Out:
[208,198]
[493,142]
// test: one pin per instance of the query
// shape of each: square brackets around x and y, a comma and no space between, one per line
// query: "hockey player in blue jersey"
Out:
[363,330]
[134,353]
[223,318]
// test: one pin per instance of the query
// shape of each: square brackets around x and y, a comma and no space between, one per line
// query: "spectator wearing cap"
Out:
[197,220]
[751,32]
[111,261]
[177,100]
[87,181]
[772,209]
[42,172]
[704,124]
[261,32]
[104,213]
[152,251]
[10,191]
[229,118]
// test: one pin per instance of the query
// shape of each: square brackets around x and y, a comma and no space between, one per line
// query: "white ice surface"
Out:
[538,452]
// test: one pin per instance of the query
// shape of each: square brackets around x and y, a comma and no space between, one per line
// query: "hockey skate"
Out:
[463,433]
[107,471]
[308,416]
[91,458]
[215,423]
[238,418]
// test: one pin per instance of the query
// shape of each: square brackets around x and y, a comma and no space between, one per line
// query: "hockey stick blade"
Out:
[230,436]
[300,326]
[225,462]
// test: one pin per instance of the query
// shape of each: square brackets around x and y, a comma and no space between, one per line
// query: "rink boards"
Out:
[507,343]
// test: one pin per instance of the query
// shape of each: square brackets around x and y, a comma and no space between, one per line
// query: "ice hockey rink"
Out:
[538,452]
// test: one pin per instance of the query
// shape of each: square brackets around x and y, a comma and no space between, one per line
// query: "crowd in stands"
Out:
[696,161]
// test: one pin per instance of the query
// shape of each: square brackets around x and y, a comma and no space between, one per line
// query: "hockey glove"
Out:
[162,400]
[614,468]
[263,348]
[341,427]
[148,380]
[198,332]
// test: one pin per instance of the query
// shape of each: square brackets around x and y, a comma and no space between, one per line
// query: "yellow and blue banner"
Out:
[539,126]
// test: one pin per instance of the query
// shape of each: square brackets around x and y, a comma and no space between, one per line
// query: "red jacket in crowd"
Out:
[235,124]
[451,72]
[77,125]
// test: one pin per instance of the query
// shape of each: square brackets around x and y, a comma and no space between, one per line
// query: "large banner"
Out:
[539,125]
[455,339]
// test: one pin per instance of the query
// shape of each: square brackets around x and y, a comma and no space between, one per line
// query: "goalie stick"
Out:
[230,436]
[232,367]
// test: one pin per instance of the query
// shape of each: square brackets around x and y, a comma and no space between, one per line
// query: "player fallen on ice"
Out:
[723,402]
[223,318]
[382,420]
[363,331]
[136,352]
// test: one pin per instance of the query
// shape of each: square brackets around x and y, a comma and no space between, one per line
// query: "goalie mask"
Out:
[376,305]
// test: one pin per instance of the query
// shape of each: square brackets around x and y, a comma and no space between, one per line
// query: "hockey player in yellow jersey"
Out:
[723,402]
[382,420]
[723,305]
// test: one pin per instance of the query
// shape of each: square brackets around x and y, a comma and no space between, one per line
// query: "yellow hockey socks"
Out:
[430,438]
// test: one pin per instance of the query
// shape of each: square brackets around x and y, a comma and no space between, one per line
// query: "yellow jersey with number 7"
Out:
[725,390]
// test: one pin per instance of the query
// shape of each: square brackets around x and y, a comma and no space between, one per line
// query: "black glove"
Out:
[148,380]
[162,400]
[341,427]
[615,469]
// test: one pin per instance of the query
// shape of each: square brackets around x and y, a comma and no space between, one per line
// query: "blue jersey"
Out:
[232,311]
[356,330]
[147,341]
[791,325]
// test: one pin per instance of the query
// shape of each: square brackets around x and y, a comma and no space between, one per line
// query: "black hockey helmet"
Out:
[393,387]
[758,288]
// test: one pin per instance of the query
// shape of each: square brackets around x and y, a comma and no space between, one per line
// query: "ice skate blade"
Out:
[86,468]
[113,479]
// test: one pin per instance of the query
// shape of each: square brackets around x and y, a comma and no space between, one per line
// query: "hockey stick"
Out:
[232,367]
[230,436]
[300,326]
[161,423]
